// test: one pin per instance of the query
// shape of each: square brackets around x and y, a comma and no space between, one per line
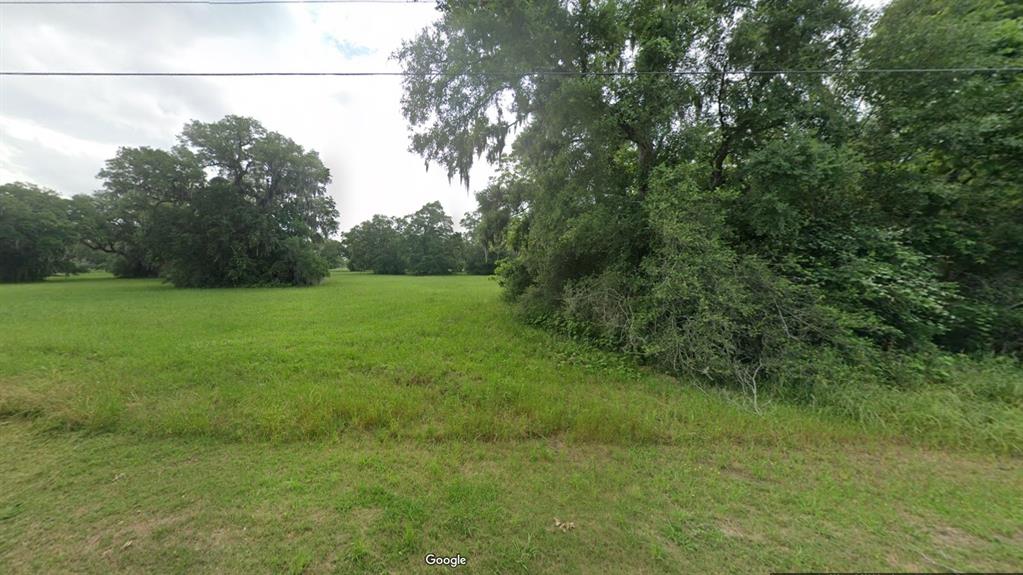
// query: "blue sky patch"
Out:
[348,49]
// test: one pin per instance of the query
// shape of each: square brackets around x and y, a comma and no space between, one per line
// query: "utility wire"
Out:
[207,2]
[523,74]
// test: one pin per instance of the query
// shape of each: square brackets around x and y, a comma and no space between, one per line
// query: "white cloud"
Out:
[58,131]
[52,139]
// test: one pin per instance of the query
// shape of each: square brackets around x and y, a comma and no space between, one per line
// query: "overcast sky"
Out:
[57,132]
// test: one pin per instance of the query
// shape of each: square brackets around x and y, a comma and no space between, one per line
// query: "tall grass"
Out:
[954,401]
[426,358]
[409,357]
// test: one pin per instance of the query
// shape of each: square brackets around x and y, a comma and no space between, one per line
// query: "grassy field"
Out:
[361,424]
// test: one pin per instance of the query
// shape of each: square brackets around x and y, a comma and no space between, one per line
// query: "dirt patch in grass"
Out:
[738,472]
[365,518]
[946,536]
[732,529]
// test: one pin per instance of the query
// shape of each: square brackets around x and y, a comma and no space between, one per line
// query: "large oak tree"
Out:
[260,219]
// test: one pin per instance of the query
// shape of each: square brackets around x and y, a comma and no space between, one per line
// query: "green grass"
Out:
[358,425]
[430,358]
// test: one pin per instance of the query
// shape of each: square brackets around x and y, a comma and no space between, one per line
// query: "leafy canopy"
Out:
[260,219]
[422,243]
[36,235]
[732,224]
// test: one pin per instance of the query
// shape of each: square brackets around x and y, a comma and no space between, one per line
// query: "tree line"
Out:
[422,243]
[233,204]
[741,223]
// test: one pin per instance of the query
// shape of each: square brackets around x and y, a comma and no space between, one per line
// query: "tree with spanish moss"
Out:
[261,219]
[729,222]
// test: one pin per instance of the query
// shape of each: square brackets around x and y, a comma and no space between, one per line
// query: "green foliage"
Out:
[430,242]
[376,245]
[737,225]
[262,220]
[333,253]
[36,236]
[422,243]
[119,220]
[86,259]
[220,240]
[299,264]
[486,235]
[946,156]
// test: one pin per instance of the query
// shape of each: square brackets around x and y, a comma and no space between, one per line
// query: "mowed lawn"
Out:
[361,424]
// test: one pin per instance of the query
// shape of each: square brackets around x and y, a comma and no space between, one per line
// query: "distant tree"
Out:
[87,259]
[376,245]
[346,254]
[36,234]
[287,183]
[332,252]
[474,255]
[221,239]
[422,243]
[430,242]
[261,220]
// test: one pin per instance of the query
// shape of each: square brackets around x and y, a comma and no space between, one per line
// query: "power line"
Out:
[206,2]
[200,74]
[523,74]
